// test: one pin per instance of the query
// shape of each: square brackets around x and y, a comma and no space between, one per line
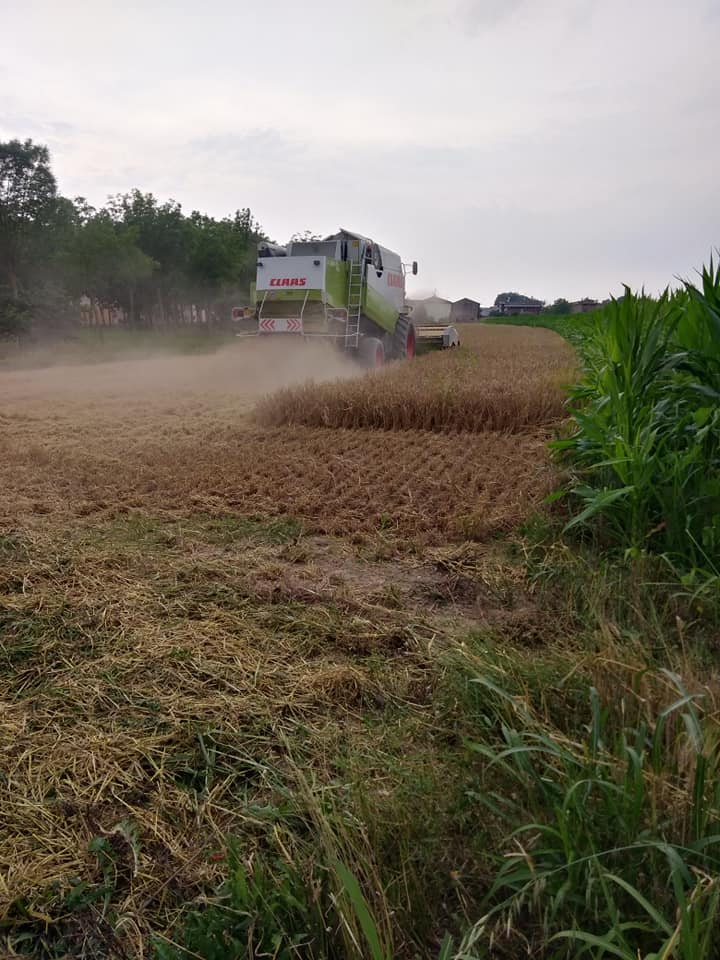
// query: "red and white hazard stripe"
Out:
[280,325]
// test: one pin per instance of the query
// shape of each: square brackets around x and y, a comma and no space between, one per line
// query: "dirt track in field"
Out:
[243,371]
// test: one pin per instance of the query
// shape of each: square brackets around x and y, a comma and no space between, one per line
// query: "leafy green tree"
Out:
[559,307]
[307,236]
[513,298]
[198,259]
[137,252]
[106,264]
[163,233]
[15,317]
[507,297]
[212,258]
[28,203]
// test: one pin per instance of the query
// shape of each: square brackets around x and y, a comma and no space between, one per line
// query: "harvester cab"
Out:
[346,289]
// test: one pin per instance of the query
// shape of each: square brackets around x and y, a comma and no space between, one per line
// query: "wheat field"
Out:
[498,381]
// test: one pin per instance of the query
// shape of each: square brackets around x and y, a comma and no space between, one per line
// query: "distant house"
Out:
[436,309]
[465,310]
[586,305]
[516,304]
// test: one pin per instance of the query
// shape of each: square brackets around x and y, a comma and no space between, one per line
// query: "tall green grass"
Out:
[603,837]
[614,842]
[647,416]
[309,891]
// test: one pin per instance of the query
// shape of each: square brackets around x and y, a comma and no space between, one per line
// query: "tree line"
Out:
[144,258]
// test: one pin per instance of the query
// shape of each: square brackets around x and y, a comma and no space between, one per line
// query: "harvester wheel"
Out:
[404,339]
[371,352]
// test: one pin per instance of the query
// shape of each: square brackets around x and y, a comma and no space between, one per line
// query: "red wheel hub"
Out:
[410,344]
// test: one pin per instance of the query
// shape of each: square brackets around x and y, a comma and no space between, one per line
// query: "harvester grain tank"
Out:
[346,289]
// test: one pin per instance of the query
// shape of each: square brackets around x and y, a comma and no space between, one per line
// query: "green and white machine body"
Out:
[345,288]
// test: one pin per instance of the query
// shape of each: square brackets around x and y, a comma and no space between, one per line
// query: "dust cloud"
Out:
[242,371]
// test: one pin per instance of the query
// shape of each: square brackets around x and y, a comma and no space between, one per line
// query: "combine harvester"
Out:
[345,289]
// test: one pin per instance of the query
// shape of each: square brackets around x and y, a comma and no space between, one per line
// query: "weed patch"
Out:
[615,837]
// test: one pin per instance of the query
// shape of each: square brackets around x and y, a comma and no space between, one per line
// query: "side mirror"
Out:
[414,268]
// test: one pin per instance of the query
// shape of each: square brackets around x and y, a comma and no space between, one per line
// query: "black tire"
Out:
[371,353]
[404,339]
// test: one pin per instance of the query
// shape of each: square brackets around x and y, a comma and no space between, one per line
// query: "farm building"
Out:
[515,304]
[465,310]
[586,305]
[432,308]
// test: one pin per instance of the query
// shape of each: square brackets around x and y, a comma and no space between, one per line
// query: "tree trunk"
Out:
[14,286]
[161,307]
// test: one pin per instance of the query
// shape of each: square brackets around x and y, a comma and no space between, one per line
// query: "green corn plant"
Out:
[619,441]
[646,447]
[699,328]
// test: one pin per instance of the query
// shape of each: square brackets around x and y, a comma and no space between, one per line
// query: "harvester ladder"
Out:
[262,304]
[355,289]
[302,308]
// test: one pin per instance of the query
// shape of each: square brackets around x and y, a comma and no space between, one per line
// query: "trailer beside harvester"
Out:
[346,289]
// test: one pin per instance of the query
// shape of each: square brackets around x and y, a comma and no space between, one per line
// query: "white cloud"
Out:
[559,146]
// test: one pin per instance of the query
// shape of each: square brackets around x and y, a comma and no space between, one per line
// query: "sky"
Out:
[560,148]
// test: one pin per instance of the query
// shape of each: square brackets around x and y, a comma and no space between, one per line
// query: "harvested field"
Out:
[506,381]
[431,487]
[193,607]
[161,678]
[178,439]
